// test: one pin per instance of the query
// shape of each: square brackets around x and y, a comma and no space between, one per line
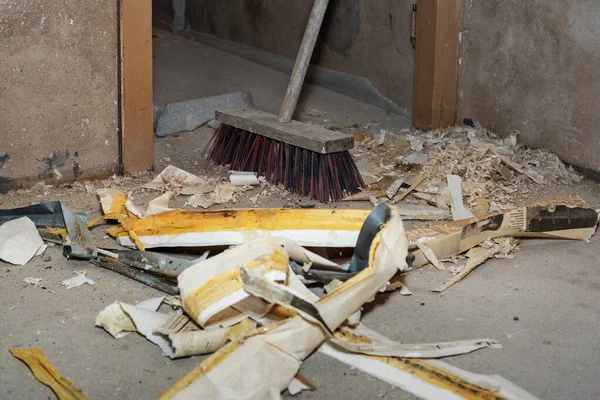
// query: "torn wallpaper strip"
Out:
[566,217]
[368,342]
[19,241]
[430,379]
[116,322]
[45,372]
[360,339]
[210,288]
[181,228]
[274,353]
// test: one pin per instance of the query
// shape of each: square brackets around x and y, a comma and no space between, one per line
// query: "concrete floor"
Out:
[553,287]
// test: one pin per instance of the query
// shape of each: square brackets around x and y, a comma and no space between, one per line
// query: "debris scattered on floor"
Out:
[19,241]
[78,280]
[240,178]
[421,212]
[459,211]
[417,159]
[147,277]
[500,170]
[567,217]
[246,301]
[394,187]
[430,255]
[306,227]
[413,376]
[222,194]
[44,371]
[299,384]
[179,181]
[313,112]
[116,322]
[37,282]
[159,204]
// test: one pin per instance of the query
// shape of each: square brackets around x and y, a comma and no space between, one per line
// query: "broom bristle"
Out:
[324,177]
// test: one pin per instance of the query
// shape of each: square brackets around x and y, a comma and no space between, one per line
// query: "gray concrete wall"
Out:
[58,90]
[534,66]
[360,37]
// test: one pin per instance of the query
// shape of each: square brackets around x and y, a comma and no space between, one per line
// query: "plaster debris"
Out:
[420,212]
[238,178]
[159,205]
[405,291]
[222,194]
[417,159]
[37,282]
[283,346]
[313,112]
[179,181]
[19,241]
[299,384]
[183,228]
[41,250]
[78,280]
[398,284]
[459,211]
[176,335]
[214,124]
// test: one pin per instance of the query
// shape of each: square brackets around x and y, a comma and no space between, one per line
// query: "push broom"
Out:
[307,159]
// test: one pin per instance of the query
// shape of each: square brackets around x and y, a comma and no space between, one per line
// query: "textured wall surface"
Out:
[534,66]
[58,90]
[358,37]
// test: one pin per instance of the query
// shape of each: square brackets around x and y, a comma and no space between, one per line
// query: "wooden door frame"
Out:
[136,133]
[435,93]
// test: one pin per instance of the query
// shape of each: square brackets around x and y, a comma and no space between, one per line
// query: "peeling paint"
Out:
[4,159]
[52,163]
[76,166]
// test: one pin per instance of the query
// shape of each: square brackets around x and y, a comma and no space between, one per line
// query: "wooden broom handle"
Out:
[303,60]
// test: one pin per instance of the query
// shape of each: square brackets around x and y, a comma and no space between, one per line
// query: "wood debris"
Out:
[430,255]
[394,187]
[514,165]
[413,181]
[459,211]
[476,257]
